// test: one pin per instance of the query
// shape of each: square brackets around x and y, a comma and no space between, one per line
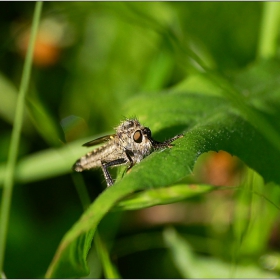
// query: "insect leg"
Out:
[129,154]
[165,144]
[105,165]
[157,144]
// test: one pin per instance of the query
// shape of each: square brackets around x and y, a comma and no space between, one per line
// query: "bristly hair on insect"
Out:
[128,146]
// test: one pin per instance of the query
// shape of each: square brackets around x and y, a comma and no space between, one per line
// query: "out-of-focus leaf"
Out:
[8,97]
[48,163]
[191,265]
[256,207]
[44,123]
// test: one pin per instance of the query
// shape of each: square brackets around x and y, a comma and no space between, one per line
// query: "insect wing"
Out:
[99,140]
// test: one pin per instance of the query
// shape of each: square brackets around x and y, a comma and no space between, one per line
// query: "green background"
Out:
[209,70]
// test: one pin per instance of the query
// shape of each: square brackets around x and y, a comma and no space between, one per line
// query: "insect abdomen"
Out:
[86,162]
[93,159]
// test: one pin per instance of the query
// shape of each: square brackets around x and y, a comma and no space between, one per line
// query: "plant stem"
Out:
[14,144]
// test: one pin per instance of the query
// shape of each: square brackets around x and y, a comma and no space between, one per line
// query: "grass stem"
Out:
[14,144]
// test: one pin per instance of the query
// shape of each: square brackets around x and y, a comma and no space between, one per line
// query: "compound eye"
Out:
[138,137]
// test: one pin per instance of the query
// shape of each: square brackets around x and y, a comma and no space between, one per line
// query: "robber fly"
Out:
[129,145]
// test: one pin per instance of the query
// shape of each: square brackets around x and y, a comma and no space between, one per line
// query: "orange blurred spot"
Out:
[45,53]
[53,35]
[221,169]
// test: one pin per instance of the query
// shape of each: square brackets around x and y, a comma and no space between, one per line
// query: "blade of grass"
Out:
[110,270]
[13,149]
[81,190]
[269,30]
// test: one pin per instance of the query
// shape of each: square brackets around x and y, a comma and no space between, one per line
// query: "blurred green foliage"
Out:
[197,67]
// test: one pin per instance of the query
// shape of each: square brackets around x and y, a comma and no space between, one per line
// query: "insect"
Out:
[129,145]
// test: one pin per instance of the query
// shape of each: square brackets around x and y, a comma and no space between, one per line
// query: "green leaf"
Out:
[149,198]
[209,122]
